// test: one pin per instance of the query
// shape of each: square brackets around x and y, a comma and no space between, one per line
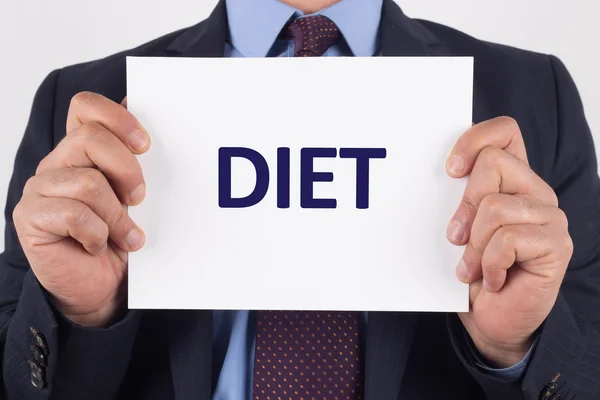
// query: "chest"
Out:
[432,367]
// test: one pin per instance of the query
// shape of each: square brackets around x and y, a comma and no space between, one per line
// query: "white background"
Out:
[37,36]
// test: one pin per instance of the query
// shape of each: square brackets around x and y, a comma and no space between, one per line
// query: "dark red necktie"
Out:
[308,355]
[312,36]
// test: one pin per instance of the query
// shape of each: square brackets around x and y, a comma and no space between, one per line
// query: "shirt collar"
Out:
[255,24]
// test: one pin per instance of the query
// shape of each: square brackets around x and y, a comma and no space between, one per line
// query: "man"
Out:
[533,330]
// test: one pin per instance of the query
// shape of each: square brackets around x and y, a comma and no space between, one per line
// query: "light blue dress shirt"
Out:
[254,28]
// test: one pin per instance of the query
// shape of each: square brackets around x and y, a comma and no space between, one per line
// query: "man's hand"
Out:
[517,243]
[72,220]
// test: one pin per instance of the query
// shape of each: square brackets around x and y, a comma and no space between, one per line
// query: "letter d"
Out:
[262,177]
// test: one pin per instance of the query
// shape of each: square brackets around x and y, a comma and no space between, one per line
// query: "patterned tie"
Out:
[312,36]
[307,355]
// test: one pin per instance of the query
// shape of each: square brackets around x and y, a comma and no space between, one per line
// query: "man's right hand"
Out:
[72,220]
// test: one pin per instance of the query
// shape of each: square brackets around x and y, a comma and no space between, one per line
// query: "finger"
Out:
[124,102]
[90,187]
[497,210]
[495,171]
[502,132]
[48,220]
[515,243]
[92,107]
[92,145]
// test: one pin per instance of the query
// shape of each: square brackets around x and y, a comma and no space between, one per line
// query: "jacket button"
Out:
[36,375]
[548,392]
[40,341]
[38,355]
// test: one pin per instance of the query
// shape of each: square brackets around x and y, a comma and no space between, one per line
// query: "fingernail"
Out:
[138,194]
[456,164]
[455,231]
[461,271]
[138,140]
[135,239]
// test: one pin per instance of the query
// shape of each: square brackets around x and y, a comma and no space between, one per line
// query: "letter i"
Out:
[283,177]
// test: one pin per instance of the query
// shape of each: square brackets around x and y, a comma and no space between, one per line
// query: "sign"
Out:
[299,184]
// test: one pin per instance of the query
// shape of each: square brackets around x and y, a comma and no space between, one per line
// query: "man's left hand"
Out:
[517,242]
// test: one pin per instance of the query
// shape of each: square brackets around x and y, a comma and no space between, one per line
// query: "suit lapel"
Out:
[402,36]
[389,335]
[388,342]
[206,39]
[190,332]
[190,351]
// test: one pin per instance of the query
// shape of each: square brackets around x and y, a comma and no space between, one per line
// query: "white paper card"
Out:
[391,256]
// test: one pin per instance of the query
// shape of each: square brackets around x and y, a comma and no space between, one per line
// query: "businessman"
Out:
[530,220]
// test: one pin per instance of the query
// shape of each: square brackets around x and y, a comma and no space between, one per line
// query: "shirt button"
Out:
[36,375]
[38,355]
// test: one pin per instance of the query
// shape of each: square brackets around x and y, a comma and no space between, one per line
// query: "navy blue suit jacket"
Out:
[409,356]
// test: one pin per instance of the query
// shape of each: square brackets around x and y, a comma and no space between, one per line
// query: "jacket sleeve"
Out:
[566,359]
[43,354]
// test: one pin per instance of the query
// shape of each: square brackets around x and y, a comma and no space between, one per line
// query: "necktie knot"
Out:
[312,36]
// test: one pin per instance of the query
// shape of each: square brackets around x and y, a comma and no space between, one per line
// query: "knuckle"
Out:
[101,236]
[20,217]
[18,213]
[83,98]
[98,236]
[490,156]
[41,165]
[562,229]
[509,123]
[569,245]
[493,205]
[487,160]
[30,185]
[561,218]
[552,197]
[505,237]
[89,183]
[77,215]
